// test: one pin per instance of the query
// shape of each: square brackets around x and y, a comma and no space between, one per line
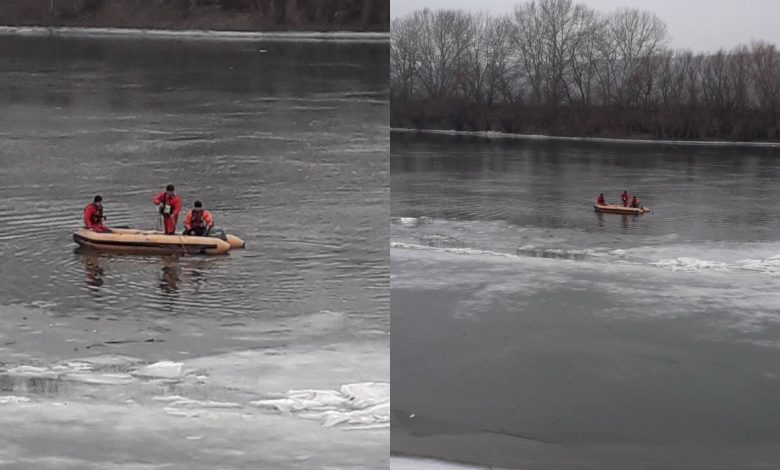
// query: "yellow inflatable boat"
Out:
[614,209]
[126,240]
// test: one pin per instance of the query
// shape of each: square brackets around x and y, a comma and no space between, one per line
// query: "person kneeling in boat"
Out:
[93,216]
[635,202]
[600,201]
[198,221]
[170,205]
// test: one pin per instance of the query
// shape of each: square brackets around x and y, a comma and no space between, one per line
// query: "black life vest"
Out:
[166,208]
[97,216]
[197,219]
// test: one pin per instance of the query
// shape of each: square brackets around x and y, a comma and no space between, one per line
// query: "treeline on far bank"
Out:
[232,15]
[560,68]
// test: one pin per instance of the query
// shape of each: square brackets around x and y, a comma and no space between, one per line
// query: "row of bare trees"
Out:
[557,66]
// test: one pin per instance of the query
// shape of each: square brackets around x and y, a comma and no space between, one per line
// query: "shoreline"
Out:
[222,35]
[606,140]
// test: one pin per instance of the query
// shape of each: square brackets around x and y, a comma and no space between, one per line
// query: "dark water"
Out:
[285,147]
[697,193]
[531,332]
[286,144]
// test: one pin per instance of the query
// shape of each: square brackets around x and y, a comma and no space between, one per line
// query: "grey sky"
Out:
[701,25]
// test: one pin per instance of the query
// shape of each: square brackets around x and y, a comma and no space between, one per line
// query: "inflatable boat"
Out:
[127,240]
[614,209]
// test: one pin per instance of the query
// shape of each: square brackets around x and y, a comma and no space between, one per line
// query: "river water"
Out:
[169,360]
[531,332]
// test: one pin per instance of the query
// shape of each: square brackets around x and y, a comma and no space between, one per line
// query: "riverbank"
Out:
[598,122]
[352,36]
[505,135]
[222,15]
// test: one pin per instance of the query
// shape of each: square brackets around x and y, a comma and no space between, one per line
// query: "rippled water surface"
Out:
[285,143]
[531,332]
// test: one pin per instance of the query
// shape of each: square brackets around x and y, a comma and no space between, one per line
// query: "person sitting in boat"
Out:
[635,202]
[93,216]
[624,198]
[600,201]
[170,206]
[198,221]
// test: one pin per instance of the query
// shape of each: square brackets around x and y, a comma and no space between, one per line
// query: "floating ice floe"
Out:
[97,378]
[32,372]
[408,463]
[177,400]
[11,399]
[360,405]
[161,370]
[769,266]
[691,264]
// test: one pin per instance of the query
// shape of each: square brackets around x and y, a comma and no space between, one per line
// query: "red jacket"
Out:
[173,201]
[93,218]
[191,220]
[600,201]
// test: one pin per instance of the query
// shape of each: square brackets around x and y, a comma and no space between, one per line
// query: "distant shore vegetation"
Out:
[561,68]
[234,15]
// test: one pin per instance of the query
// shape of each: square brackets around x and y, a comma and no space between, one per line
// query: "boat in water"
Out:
[128,240]
[615,209]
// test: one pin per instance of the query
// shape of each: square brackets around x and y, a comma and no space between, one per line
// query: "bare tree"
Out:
[765,71]
[443,37]
[636,36]
[530,46]
[404,55]
[610,72]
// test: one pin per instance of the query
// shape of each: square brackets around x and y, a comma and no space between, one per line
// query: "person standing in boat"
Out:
[635,202]
[624,198]
[600,201]
[198,221]
[170,206]
[93,216]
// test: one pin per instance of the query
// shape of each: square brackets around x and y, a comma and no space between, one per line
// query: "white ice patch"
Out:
[457,251]
[162,370]
[359,405]
[769,266]
[12,399]
[97,378]
[179,401]
[410,221]
[32,372]
[691,264]
[405,463]
[98,370]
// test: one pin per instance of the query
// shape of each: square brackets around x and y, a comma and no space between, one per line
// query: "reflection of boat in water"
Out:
[126,240]
[615,209]
[170,276]
[93,271]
